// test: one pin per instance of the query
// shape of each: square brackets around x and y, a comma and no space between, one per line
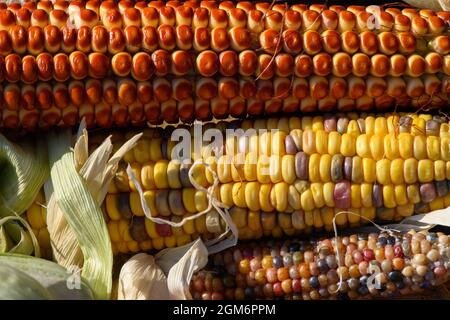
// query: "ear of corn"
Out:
[128,64]
[298,178]
[393,167]
[352,267]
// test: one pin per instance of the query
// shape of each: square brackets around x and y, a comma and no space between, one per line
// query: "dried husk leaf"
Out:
[194,258]
[142,279]
[163,277]
[27,243]
[65,247]
[98,170]
[82,213]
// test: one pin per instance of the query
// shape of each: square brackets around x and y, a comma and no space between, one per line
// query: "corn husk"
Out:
[97,170]
[23,169]
[142,279]
[17,285]
[5,240]
[25,277]
[82,213]
[435,5]
[76,220]
[28,242]
[163,277]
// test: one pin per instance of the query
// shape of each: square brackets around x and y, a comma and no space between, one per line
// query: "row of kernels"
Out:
[282,197]
[376,146]
[329,133]
[173,174]
[161,203]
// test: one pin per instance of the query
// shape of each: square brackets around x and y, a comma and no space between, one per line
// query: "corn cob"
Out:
[109,102]
[403,264]
[36,216]
[388,177]
[323,60]
[170,195]
[130,231]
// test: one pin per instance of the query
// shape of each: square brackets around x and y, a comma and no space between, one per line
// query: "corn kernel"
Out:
[391,147]
[226,194]
[420,147]
[410,170]
[275,169]
[363,146]
[383,171]
[366,195]
[279,195]
[264,198]
[369,170]
[160,174]
[314,168]
[334,143]
[348,145]
[307,200]
[425,170]
[405,143]
[433,148]
[377,146]
[238,194]
[147,178]
[322,142]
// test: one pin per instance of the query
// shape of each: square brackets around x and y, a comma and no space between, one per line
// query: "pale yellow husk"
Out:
[166,276]
[77,196]
[142,279]
[97,171]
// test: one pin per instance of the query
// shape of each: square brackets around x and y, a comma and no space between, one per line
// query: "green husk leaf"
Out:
[57,282]
[24,170]
[17,285]
[83,214]
[28,241]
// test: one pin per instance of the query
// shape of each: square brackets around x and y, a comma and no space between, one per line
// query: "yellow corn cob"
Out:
[291,181]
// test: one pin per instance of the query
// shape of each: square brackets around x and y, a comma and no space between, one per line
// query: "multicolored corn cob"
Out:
[382,168]
[368,266]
